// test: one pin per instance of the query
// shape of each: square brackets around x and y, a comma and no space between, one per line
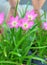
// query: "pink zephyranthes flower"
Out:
[25,25]
[30,15]
[13,22]
[1,18]
[44,25]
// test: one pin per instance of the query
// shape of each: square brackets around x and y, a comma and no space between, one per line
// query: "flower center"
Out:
[14,23]
[30,18]
[25,25]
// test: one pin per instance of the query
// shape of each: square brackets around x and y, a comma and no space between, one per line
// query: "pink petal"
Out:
[44,25]
[1,18]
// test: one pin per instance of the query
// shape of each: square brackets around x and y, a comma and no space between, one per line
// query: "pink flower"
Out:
[25,24]
[1,18]
[30,15]
[44,25]
[13,23]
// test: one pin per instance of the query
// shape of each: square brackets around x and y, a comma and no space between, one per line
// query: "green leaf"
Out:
[7,62]
[41,47]
[36,58]
[40,59]
[15,53]
[23,12]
